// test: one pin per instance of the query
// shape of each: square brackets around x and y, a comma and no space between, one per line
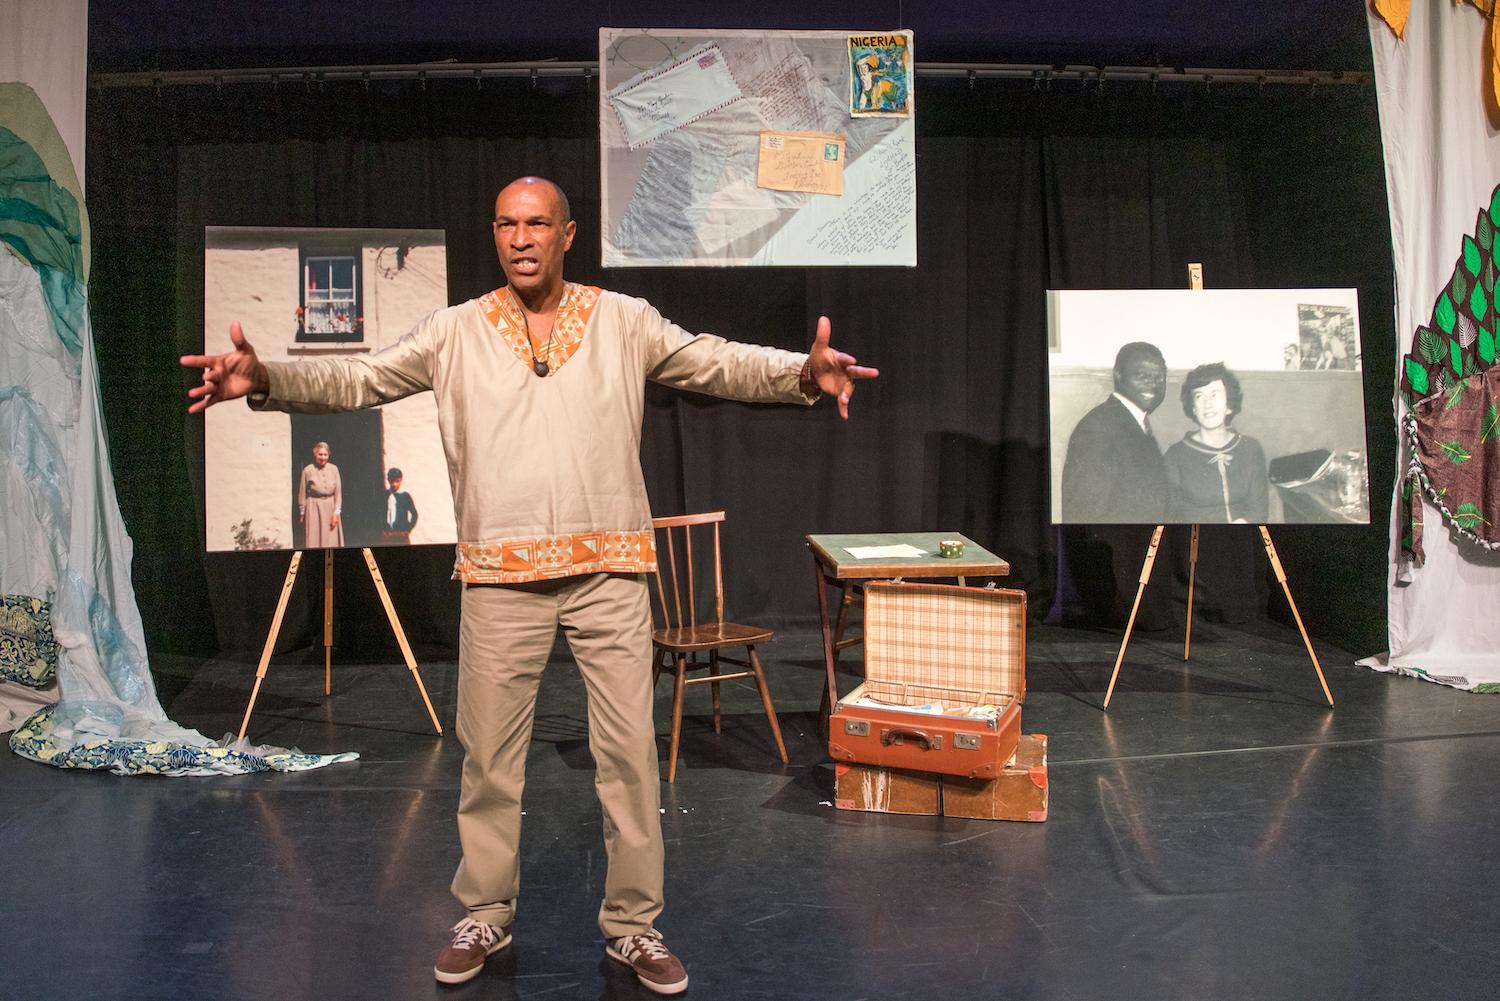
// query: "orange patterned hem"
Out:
[520,561]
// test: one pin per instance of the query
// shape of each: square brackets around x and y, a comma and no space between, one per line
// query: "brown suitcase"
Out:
[885,790]
[964,647]
[1019,792]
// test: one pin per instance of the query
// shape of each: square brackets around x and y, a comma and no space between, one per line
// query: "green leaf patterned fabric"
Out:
[1444,314]
[1416,377]
[1430,345]
[1448,382]
[1455,451]
[1455,458]
[1468,516]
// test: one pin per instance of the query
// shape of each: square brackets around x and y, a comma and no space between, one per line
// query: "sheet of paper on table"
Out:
[883,552]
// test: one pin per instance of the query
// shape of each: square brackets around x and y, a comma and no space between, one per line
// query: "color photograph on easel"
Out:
[368,478]
[1206,406]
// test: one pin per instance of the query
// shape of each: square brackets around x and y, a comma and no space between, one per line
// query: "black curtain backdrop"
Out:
[1020,189]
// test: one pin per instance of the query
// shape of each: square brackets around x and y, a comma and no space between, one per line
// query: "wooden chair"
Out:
[685,637]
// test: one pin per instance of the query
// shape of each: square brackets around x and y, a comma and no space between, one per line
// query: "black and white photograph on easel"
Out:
[323,481]
[1206,406]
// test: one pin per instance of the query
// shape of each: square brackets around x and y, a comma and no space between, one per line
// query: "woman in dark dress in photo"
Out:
[1215,474]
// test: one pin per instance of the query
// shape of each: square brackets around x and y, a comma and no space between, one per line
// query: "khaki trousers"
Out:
[504,639]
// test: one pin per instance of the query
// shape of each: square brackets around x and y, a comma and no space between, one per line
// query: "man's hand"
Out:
[833,371]
[227,376]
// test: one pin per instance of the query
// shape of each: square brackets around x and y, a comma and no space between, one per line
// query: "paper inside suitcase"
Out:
[945,671]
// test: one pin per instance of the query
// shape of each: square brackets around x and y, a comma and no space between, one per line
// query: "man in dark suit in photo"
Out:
[1113,472]
[400,511]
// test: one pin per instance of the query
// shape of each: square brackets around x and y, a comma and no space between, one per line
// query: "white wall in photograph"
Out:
[1274,434]
[317,293]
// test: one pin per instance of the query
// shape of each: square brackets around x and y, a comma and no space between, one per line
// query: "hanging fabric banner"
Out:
[1442,164]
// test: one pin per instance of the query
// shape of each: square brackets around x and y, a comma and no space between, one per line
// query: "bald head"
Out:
[565,211]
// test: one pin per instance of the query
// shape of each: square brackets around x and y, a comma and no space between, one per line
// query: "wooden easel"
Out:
[1195,281]
[390,612]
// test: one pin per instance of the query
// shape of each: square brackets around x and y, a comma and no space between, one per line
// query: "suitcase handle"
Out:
[928,741]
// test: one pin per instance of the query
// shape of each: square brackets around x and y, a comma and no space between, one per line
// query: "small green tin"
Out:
[950,549]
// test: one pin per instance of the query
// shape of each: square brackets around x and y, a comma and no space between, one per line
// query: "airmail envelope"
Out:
[802,161]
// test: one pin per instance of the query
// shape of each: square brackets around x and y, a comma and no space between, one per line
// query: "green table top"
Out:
[832,552]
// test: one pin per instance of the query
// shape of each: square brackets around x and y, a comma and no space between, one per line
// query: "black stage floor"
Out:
[1219,834]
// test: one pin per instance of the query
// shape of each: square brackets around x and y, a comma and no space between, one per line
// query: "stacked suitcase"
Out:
[936,725]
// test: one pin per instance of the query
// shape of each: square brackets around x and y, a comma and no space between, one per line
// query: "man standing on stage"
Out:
[540,389]
[1114,471]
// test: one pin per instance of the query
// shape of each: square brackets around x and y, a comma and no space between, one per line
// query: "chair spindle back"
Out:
[680,572]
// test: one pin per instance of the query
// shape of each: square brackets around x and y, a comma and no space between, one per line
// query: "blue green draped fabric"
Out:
[66,544]
[40,221]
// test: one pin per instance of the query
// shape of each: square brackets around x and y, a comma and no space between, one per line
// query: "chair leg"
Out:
[677,689]
[846,598]
[657,663]
[765,699]
[713,669]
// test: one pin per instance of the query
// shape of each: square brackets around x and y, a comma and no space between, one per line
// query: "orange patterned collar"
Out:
[504,312]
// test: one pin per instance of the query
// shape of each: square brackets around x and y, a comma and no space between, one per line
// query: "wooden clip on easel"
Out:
[390,612]
[1195,281]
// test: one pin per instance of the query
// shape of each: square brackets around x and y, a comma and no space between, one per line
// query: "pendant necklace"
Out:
[538,365]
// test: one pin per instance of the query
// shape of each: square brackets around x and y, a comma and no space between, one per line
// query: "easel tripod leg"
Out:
[1136,607]
[390,613]
[1265,536]
[265,654]
[1187,637]
[328,622]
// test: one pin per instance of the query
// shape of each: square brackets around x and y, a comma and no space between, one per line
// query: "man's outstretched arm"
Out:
[704,363]
[835,372]
[325,385]
[227,376]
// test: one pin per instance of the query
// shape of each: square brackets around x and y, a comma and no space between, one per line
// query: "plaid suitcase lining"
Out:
[922,639]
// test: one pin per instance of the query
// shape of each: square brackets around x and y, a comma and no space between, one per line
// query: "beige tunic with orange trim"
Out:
[546,471]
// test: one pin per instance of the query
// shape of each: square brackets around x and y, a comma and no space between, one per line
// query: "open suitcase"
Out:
[945,674]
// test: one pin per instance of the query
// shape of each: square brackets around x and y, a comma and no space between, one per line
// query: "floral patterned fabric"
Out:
[28,651]
[35,739]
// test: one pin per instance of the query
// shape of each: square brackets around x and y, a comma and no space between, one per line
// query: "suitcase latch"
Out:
[857,727]
[966,741]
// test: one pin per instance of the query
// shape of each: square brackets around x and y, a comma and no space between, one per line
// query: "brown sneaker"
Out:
[655,967]
[464,955]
